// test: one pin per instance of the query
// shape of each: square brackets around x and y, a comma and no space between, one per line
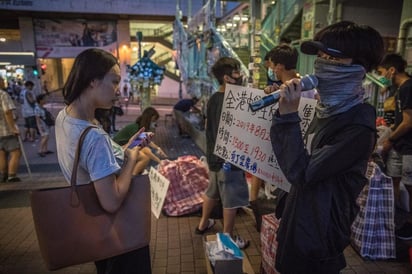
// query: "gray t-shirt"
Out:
[99,156]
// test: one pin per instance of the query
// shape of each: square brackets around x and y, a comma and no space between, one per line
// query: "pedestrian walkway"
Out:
[175,248]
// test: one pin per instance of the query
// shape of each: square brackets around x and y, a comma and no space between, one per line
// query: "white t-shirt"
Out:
[99,156]
[26,109]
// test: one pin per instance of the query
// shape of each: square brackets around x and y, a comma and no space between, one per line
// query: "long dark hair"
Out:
[89,65]
[145,119]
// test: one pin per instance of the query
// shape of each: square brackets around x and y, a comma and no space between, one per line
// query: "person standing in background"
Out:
[28,101]
[43,128]
[397,149]
[328,173]
[9,142]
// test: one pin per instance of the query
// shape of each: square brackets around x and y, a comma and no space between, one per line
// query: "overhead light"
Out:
[236,17]
[17,53]
[221,28]
[4,63]
[2,39]
[245,18]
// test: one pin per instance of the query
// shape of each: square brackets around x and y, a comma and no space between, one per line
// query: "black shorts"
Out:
[30,122]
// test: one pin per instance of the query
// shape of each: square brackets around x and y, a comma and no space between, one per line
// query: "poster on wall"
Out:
[243,137]
[67,38]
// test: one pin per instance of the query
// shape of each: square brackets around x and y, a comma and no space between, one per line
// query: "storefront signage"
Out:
[158,189]
[10,34]
[17,3]
[243,137]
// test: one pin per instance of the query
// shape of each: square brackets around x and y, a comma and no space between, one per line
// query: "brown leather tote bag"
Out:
[72,227]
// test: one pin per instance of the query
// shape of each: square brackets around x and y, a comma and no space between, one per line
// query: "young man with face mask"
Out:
[398,147]
[226,183]
[328,173]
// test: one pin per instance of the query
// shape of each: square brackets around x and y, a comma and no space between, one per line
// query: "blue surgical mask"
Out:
[272,75]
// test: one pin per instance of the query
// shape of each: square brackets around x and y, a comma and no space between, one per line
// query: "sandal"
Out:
[211,223]
[241,243]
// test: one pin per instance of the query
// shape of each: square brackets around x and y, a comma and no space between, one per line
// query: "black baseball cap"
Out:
[312,48]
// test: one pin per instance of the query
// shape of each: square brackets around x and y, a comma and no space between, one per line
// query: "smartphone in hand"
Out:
[144,136]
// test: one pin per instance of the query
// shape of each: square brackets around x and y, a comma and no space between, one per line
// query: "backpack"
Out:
[49,119]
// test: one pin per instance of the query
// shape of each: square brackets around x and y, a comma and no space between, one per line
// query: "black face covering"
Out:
[238,81]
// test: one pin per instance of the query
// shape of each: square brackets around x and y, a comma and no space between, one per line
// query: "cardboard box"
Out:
[236,266]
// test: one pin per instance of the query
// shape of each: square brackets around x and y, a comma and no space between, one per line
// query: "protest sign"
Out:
[158,190]
[243,137]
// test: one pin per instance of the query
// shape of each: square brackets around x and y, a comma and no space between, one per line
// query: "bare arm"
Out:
[158,149]
[404,127]
[11,123]
[112,190]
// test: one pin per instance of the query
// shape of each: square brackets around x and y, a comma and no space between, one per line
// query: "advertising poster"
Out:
[243,137]
[67,38]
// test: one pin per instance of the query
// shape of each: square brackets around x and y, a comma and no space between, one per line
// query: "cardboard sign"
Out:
[243,137]
[158,190]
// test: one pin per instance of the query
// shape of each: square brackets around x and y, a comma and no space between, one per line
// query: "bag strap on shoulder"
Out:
[77,155]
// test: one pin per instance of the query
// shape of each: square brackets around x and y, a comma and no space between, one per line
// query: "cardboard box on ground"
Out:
[233,266]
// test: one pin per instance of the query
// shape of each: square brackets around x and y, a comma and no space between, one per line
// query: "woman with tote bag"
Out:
[91,84]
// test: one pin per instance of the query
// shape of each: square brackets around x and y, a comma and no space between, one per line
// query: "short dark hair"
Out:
[224,66]
[362,43]
[285,55]
[89,65]
[40,97]
[285,40]
[394,60]
[28,84]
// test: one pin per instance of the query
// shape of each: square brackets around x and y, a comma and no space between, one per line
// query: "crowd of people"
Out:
[326,168]
[37,122]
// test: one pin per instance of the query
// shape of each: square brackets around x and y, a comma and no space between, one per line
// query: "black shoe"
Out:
[405,232]
[13,179]
[211,223]
[4,178]
[241,243]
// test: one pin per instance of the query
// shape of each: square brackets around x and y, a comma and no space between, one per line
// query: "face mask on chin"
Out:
[272,75]
[153,125]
